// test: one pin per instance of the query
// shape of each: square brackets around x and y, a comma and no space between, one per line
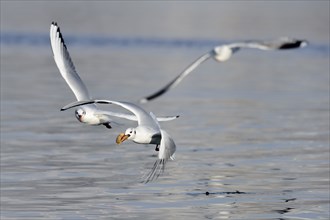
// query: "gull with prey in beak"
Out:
[89,114]
[148,131]
[223,53]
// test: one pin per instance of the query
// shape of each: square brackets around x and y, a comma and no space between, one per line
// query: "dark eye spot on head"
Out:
[134,132]
[130,132]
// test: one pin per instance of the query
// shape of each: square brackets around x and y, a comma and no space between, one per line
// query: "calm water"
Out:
[252,139]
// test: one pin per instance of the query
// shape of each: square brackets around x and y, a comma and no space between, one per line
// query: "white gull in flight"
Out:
[148,131]
[224,52]
[89,114]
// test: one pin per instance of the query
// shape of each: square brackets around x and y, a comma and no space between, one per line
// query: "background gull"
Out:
[224,52]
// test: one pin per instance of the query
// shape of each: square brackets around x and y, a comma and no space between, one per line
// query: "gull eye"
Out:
[130,132]
[134,132]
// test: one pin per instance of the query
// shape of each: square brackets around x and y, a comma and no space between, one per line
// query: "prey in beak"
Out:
[121,138]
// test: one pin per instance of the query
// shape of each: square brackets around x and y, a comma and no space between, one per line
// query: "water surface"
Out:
[252,139]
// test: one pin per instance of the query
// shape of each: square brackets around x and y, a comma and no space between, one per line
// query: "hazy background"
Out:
[253,132]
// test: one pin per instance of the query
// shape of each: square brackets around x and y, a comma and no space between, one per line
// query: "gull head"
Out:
[129,134]
[80,114]
[222,53]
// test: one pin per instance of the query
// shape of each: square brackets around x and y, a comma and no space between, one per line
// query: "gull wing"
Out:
[167,146]
[154,118]
[143,118]
[178,78]
[115,114]
[283,43]
[65,65]
[132,117]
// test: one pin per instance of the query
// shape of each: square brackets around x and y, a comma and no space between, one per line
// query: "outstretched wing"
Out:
[283,43]
[65,65]
[130,116]
[115,114]
[143,118]
[178,78]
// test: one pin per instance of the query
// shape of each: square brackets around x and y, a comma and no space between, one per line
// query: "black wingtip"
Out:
[295,44]
[59,34]
[155,95]
[103,102]
[77,103]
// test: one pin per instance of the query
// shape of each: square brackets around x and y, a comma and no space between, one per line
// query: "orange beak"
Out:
[121,138]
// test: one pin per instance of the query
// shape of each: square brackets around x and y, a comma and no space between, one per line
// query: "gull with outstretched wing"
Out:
[89,114]
[148,131]
[224,52]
